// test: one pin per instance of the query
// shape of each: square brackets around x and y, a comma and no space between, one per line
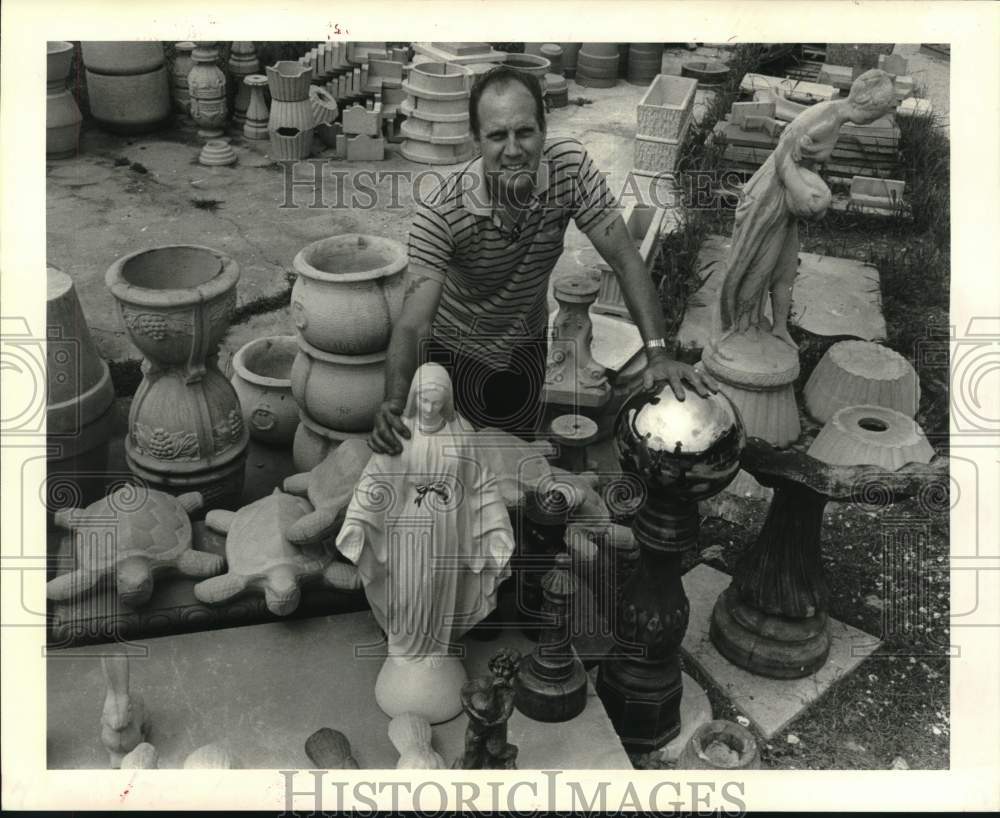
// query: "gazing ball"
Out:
[686,450]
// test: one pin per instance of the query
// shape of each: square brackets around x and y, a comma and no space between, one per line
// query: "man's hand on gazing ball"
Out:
[389,428]
[663,369]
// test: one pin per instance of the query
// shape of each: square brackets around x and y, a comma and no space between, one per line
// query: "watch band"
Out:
[655,343]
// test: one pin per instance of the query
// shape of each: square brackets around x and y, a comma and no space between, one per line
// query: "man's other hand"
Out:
[389,428]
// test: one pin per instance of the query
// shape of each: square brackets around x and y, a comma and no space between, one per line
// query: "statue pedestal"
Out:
[756,371]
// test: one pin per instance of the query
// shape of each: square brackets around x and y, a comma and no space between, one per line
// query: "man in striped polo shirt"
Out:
[481,250]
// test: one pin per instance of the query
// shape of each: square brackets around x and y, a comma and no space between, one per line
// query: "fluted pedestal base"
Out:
[756,371]
[643,700]
[772,646]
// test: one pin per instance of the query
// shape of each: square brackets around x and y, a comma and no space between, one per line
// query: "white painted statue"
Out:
[430,534]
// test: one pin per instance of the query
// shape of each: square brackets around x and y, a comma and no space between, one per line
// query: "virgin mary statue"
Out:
[431,537]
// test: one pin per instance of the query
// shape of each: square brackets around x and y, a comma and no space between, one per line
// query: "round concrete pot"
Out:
[288,143]
[438,78]
[348,293]
[263,383]
[720,745]
[130,104]
[122,58]
[341,392]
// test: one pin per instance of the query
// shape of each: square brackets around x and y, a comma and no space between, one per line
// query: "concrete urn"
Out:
[341,392]
[348,293]
[186,429]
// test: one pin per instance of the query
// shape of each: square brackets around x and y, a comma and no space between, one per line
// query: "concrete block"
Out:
[915,107]
[867,191]
[795,90]
[769,703]
[364,148]
[359,120]
[839,76]
[741,110]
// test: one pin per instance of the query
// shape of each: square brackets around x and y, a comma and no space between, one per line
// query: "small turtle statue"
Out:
[133,534]
[260,556]
[329,487]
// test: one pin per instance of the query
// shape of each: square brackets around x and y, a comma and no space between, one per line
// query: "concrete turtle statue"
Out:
[132,534]
[329,487]
[259,555]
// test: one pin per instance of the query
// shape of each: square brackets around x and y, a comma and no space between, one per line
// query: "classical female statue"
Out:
[764,257]
[431,537]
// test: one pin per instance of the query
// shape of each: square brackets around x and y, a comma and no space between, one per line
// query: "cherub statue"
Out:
[430,534]
[764,258]
[489,702]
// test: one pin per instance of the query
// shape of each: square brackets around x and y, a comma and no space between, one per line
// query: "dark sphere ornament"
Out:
[688,449]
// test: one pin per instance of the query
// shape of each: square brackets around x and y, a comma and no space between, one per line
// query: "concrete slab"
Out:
[832,297]
[261,690]
[769,703]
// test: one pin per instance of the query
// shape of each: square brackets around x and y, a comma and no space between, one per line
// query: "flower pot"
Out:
[438,78]
[290,143]
[532,64]
[871,435]
[183,63]
[262,380]
[569,58]
[341,392]
[852,373]
[644,62]
[720,745]
[428,153]
[297,115]
[185,428]
[324,106]
[348,293]
[130,104]
[289,81]
[80,408]
[122,58]
[62,114]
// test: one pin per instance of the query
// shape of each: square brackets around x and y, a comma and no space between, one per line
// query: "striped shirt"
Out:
[495,280]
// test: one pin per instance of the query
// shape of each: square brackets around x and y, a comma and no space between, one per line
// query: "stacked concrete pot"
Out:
[243,63]
[597,65]
[207,92]
[185,426]
[183,63]
[62,114]
[127,85]
[291,121]
[79,400]
[534,64]
[436,130]
[344,303]
[644,62]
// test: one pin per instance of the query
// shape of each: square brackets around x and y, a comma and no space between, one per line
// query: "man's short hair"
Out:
[500,76]
[873,90]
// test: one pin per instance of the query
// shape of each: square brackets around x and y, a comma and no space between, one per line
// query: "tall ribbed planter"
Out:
[185,428]
[207,90]
[62,114]
[79,400]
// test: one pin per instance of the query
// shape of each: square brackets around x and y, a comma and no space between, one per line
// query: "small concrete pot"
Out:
[342,392]
[720,745]
[262,380]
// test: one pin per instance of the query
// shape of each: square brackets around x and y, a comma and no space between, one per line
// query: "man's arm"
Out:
[420,303]
[616,247]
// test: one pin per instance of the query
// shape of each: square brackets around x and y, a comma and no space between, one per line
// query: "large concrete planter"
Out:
[341,392]
[185,428]
[348,293]
[262,380]
[207,93]
[288,81]
[122,58]
[62,114]
[132,103]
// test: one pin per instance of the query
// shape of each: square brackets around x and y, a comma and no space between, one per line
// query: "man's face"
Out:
[509,139]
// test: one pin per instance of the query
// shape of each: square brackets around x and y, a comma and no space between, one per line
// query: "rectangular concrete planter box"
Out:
[645,224]
[795,90]
[665,108]
[882,193]
[654,155]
